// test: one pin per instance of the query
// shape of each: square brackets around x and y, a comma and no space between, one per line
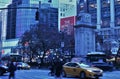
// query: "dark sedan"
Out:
[103,65]
[3,69]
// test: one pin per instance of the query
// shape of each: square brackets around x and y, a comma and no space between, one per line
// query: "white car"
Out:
[21,65]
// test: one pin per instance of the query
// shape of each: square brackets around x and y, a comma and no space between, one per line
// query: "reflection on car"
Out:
[103,65]
[81,70]
[22,65]
[3,69]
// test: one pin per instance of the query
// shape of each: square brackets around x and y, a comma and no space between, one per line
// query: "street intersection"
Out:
[43,74]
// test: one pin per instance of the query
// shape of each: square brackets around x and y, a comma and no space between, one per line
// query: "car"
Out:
[22,65]
[81,70]
[3,69]
[103,65]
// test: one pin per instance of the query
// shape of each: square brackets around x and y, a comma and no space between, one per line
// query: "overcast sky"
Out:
[4,3]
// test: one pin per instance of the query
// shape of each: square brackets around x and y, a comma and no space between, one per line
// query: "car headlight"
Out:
[90,70]
[19,66]
[101,71]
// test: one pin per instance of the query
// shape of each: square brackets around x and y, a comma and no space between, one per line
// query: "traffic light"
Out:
[37,16]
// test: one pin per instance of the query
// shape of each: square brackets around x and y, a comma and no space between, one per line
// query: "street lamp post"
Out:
[30,50]
[0,48]
[62,41]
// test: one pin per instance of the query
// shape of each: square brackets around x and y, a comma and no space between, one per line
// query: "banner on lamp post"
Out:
[62,44]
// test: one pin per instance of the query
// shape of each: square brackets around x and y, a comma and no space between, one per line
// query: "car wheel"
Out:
[82,75]
[1,72]
[63,74]
[97,78]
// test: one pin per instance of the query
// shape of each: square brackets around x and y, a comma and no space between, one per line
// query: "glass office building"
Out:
[20,20]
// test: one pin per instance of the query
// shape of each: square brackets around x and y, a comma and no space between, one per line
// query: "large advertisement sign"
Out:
[67,8]
[66,24]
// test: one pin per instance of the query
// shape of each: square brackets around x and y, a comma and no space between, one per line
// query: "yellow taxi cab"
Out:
[81,70]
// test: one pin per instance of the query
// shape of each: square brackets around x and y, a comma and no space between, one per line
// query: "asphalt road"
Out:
[43,74]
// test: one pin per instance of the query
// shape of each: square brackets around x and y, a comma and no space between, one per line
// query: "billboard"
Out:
[66,24]
[66,9]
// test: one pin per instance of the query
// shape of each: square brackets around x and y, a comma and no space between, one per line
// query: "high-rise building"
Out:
[49,16]
[105,15]
[0,34]
[3,18]
[20,19]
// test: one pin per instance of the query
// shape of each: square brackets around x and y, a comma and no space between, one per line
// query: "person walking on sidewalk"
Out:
[12,69]
[58,69]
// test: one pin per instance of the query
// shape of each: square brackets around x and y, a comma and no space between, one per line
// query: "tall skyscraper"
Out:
[20,20]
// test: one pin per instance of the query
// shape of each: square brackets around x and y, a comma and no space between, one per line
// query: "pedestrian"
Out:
[58,69]
[52,69]
[12,69]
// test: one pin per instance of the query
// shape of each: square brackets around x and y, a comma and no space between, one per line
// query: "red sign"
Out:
[3,51]
[66,24]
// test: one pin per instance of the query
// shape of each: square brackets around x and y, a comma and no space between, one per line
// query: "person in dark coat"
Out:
[52,68]
[58,69]
[12,69]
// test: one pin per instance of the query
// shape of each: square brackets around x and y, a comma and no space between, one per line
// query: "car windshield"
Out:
[84,65]
[25,64]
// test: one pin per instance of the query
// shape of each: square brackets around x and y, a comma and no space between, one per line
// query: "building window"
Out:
[118,20]
[49,0]
[60,14]
[105,3]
